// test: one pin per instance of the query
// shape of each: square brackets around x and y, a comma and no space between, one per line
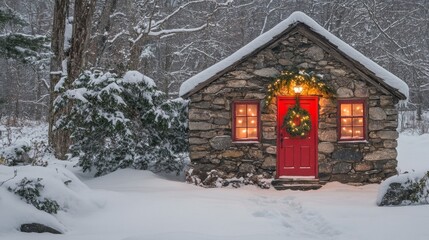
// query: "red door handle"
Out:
[281,140]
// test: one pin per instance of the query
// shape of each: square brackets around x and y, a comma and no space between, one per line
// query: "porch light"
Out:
[297,89]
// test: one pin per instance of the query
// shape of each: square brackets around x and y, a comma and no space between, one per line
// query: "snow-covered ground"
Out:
[139,205]
[413,152]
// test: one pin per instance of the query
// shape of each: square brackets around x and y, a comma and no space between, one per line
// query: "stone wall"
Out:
[210,119]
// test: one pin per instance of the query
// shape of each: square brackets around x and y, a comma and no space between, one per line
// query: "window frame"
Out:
[362,101]
[258,119]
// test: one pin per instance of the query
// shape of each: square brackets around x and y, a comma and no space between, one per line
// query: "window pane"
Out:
[252,110]
[346,132]
[358,109]
[241,133]
[240,122]
[352,120]
[240,110]
[357,121]
[346,109]
[252,122]
[253,132]
[246,121]
[346,122]
[357,132]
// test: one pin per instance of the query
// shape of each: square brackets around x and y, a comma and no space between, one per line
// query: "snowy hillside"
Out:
[135,205]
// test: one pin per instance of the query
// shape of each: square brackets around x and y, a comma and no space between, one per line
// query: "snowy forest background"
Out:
[171,40]
[77,66]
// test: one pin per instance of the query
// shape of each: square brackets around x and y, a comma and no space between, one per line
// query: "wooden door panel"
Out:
[305,157]
[289,154]
[296,156]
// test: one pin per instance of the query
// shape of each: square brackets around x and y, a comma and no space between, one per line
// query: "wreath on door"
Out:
[297,121]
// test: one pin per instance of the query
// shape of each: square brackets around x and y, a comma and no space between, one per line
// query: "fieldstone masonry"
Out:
[210,119]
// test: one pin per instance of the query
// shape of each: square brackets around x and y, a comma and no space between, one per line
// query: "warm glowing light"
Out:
[352,125]
[246,121]
[297,89]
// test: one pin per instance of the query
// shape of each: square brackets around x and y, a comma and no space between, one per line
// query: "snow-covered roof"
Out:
[203,78]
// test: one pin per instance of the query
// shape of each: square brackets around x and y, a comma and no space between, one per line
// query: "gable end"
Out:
[356,66]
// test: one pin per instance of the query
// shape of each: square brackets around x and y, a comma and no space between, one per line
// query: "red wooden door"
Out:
[297,156]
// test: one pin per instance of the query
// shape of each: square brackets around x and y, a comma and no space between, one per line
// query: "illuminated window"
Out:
[246,120]
[352,120]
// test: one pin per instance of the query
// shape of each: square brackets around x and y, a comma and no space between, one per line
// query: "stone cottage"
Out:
[236,131]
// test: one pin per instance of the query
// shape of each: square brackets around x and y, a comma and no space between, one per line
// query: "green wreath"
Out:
[297,121]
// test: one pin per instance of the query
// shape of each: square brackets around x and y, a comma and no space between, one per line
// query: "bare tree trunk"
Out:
[38,109]
[419,113]
[419,101]
[83,12]
[15,94]
[16,114]
[98,43]
[136,45]
[136,48]
[56,138]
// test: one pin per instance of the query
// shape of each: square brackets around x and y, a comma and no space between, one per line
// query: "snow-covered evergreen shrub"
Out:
[170,138]
[404,189]
[25,144]
[16,153]
[29,189]
[118,122]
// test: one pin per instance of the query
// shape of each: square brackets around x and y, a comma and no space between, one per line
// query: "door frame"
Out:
[316,133]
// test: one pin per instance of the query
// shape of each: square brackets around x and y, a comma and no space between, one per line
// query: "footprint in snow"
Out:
[290,214]
[263,214]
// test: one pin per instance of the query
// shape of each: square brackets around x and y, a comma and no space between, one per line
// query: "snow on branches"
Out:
[118,122]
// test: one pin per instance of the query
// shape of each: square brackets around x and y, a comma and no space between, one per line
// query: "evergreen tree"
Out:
[123,122]
[19,46]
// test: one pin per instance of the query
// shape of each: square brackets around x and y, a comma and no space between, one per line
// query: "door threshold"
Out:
[297,177]
[296,184]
